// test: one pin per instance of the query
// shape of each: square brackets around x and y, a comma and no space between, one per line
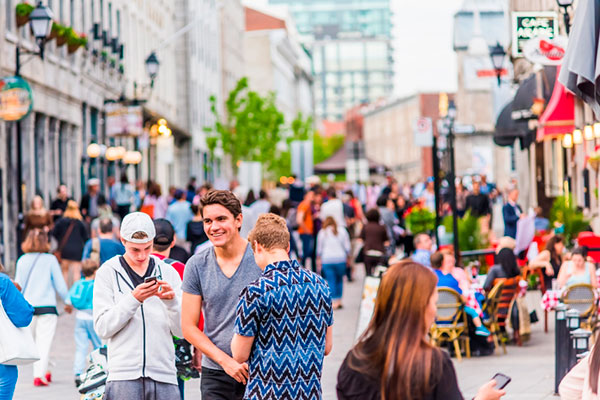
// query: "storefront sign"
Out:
[530,24]
[544,51]
[16,98]
[123,120]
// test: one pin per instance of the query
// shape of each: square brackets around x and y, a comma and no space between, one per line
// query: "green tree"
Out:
[564,212]
[250,129]
[325,147]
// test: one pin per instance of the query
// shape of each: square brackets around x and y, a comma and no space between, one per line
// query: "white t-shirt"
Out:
[335,209]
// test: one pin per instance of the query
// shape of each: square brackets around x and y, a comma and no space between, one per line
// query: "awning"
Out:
[508,130]
[559,116]
[527,93]
[336,164]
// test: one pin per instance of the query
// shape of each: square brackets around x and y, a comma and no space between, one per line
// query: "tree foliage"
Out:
[324,147]
[469,232]
[564,212]
[250,129]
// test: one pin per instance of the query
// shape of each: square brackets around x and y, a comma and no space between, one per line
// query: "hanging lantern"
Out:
[577,136]
[567,141]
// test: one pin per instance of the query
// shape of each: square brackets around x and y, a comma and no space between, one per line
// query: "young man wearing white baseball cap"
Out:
[137,302]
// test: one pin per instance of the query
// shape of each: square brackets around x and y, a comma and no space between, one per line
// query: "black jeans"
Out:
[217,385]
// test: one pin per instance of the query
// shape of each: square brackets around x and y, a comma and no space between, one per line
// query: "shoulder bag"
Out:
[17,346]
[63,242]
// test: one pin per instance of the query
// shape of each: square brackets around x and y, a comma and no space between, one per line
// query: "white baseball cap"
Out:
[137,222]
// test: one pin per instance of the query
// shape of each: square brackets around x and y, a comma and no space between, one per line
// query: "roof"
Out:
[336,164]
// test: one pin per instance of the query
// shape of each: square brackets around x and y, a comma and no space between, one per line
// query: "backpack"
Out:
[82,294]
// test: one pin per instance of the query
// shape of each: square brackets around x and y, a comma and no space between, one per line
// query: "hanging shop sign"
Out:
[122,120]
[545,51]
[528,25]
[16,98]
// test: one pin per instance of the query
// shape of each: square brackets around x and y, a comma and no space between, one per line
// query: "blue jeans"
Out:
[307,246]
[334,274]
[84,334]
[8,381]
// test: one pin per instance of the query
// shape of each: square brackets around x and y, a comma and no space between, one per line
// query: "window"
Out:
[84,26]
[9,15]
[110,21]
[72,12]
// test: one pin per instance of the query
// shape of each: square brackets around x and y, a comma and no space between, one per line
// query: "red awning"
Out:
[559,116]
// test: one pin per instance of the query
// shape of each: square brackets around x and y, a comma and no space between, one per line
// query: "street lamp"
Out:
[497,55]
[152,65]
[40,23]
[451,117]
[565,4]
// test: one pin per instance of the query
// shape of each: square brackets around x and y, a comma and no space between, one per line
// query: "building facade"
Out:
[351,46]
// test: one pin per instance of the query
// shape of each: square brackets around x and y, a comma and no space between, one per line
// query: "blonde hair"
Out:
[36,242]
[330,221]
[506,242]
[270,232]
[72,211]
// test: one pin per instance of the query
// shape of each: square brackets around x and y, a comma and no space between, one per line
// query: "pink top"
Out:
[576,385]
[463,281]
[159,203]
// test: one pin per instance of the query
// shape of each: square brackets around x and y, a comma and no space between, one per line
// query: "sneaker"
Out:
[482,331]
[48,377]
[39,382]
[77,380]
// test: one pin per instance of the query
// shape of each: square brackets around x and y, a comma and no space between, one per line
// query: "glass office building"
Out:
[351,46]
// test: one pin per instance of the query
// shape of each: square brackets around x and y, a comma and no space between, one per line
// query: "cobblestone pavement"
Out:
[530,366]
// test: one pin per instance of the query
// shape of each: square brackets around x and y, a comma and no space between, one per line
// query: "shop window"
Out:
[553,167]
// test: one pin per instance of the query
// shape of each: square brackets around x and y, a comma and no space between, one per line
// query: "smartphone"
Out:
[150,279]
[501,380]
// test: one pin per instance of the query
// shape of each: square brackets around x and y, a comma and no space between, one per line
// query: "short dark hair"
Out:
[106,225]
[436,259]
[262,194]
[89,267]
[373,215]
[224,198]
[382,201]
[581,251]
[331,192]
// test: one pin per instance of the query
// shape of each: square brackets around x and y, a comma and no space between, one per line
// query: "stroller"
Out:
[93,380]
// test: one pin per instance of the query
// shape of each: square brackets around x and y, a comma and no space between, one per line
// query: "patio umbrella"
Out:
[581,66]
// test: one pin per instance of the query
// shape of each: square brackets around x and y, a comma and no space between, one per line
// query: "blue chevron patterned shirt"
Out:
[287,311]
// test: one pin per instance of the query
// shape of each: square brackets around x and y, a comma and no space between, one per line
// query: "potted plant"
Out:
[57,29]
[121,69]
[103,55]
[75,41]
[63,36]
[419,219]
[112,62]
[567,218]
[22,12]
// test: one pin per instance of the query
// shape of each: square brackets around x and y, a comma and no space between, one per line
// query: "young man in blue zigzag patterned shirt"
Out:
[283,324]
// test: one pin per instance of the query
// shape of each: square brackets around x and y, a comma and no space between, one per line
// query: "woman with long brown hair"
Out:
[333,248]
[393,358]
[38,217]
[71,235]
[583,381]
[550,259]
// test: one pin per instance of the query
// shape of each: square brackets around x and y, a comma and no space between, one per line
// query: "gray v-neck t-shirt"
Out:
[220,294]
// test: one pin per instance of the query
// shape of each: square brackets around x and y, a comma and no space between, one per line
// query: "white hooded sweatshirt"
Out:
[138,335]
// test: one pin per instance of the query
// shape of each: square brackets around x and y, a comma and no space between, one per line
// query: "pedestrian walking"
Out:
[262,205]
[39,275]
[122,196]
[20,313]
[195,230]
[375,240]
[333,207]
[154,204]
[512,212]
[71,235]
[37,217]
[393,358]
[81,297]
[104,247]
[179,214]
[333,250]
[291,301]
[91,200]
[212,282]
[104,212]
[477,202]
[306,226]
[136,310]
[59,205]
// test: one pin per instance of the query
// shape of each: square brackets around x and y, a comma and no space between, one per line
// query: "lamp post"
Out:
[451,177]
[497,54]
[565,4]
[40,23]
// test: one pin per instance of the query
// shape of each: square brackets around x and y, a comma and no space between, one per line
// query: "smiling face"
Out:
[137,254]
[220,225]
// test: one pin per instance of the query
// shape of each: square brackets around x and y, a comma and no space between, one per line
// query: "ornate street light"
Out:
[497,55]
[565,4]
[152,66]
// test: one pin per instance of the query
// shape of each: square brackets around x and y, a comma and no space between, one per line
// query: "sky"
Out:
[424,58]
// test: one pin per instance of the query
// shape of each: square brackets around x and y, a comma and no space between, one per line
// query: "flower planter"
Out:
[72,48]
[61,40]
[594,163]
[22,20]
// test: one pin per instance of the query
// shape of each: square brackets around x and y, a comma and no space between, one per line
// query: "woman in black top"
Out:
[550,259]
[195,229]
[71,234]
[395,342]
[505,267]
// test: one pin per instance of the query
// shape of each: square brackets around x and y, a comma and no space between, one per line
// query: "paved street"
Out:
[531,366]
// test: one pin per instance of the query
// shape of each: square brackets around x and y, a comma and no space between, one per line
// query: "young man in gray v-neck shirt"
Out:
[212,283]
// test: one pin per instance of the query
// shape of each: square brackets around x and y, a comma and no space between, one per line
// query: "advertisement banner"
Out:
[527,25]
[122,120]
[16,98]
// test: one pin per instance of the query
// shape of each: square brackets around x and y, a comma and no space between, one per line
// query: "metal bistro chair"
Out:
[508,294]
[490,310]
[582,297]
[451,322]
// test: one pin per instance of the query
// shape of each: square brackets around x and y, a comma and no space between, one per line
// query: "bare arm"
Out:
[563,276]
[241,346]
[542,260]
[329,340]
[593,278]
[191,307]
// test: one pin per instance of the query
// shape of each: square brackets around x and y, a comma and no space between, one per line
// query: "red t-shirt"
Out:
[179,267]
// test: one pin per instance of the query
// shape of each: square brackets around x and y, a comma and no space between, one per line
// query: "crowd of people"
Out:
[251,282]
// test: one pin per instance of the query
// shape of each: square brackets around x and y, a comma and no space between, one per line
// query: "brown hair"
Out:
[393,349]
[270,232]
[224,198]
[89,267]
[594,368]
[437,258]
[330,221]
[36,242]
[72,210]
[139,235]
[550,247]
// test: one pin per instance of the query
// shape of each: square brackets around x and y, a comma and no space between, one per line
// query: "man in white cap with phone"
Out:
[137,302]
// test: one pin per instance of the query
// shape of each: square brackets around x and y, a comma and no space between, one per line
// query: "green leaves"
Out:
[564,212]
[469,232]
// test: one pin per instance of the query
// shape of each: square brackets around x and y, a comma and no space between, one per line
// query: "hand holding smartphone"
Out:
[150,279]
[501,380]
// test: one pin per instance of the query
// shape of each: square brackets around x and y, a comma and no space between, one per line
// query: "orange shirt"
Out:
[307,226]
